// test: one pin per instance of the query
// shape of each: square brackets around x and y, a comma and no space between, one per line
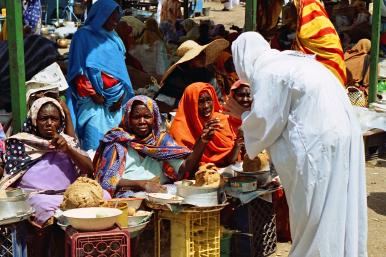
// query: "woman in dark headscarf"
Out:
[97,74]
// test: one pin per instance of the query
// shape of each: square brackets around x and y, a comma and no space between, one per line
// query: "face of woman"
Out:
[141,121]
[205,105]
[243,96]
[48,121]
[112,21]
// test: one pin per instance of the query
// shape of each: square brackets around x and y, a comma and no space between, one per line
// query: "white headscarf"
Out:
[247,49]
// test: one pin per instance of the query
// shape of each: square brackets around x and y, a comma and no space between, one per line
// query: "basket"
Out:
[5,243]
[193,233]
[257,222]
[357,96]
[110,243]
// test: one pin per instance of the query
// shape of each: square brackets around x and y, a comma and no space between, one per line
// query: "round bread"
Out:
[84,192]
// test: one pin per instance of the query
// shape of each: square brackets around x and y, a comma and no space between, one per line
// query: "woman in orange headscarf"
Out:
[198,112]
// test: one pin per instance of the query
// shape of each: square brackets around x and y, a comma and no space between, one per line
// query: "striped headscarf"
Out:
[110,158]
[317,35]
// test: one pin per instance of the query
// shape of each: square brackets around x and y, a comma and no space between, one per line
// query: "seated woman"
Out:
[198,112]
[42,158]
[241,92]
[357,61]
[98,78]
[194,65]
[138,156]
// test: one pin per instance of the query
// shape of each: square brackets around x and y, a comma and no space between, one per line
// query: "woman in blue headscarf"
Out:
[99,81]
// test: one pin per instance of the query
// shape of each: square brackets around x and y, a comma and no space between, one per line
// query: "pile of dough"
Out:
[84,192]
[260,163]
[207,175]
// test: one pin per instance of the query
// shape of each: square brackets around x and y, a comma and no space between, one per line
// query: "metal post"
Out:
[16,62]
[250,15]
[376,24]
[57,12]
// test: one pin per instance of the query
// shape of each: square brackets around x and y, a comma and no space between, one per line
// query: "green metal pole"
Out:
[16,62]
[250,15]
[376,24]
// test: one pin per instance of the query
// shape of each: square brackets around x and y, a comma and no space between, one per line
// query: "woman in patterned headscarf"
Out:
[138,156]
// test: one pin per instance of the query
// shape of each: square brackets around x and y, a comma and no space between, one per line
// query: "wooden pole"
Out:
[16,63]
[376,24]
[250,15]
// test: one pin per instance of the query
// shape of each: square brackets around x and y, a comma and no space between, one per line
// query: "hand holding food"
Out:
[154,187]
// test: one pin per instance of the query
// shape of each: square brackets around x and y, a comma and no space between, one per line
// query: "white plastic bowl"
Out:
[138,218]
[135,230]
[92,219]
[131,202]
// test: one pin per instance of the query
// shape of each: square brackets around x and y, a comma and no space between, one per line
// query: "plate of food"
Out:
[164,198]
[137,217]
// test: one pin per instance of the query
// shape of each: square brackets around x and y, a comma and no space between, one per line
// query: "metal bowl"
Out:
[14,207]
[53,36]
[45,30]
[62,42]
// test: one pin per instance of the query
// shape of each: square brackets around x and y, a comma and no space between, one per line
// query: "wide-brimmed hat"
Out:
[190,49]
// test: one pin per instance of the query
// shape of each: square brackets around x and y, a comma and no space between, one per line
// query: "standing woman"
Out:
[301,114]
[97,75]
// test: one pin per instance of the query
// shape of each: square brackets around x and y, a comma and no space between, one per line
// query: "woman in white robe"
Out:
[302,115]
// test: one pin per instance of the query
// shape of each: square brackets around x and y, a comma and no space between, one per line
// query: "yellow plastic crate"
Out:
[193,234]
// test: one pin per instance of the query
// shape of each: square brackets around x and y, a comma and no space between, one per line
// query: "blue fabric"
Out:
[94,121]
[93,50]
[31,14]
[199,6]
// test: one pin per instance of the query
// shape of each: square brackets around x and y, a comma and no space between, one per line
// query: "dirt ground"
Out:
[376,176]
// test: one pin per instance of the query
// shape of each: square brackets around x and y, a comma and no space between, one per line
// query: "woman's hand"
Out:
[233,108]
[98,99]
[210,128]
[59,143]
[154,187]
[239,141]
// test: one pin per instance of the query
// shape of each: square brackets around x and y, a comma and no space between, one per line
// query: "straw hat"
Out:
[190,49]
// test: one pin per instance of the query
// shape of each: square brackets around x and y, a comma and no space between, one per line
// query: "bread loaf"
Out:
[84,192]
[260,163]
[207,175]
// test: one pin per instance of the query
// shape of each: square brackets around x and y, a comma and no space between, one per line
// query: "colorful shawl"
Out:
[110,158]
[317,35]
[187,126]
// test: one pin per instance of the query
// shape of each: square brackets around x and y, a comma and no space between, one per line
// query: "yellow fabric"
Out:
[317,35]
